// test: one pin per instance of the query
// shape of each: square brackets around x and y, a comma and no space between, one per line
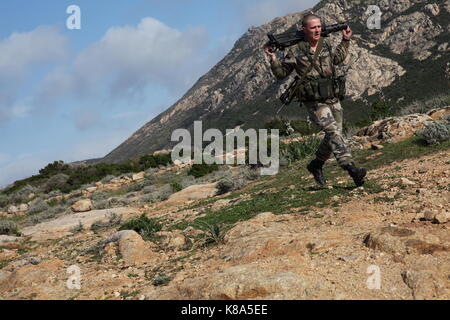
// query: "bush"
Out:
[58,181]
[9,228]
[146,227]
[113,219]
[229,185]
[299,150]
[200,170]
[38,207]
[176,186]
[4,200]
[435,131]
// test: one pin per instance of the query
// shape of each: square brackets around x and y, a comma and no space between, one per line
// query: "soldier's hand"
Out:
[268,51]
[347,33]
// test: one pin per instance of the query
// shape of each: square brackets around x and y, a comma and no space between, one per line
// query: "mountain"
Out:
[405,60]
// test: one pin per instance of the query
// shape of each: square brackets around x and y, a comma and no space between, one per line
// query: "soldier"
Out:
[319,93]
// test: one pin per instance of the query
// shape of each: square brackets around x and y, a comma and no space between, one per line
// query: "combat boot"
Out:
[315,167]
[358,174]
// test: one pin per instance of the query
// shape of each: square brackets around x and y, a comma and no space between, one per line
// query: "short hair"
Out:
[309,17]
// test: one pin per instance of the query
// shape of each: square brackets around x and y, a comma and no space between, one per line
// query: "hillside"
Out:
[233,234]
[410,51]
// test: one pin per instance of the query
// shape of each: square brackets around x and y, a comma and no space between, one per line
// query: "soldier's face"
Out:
[313,30]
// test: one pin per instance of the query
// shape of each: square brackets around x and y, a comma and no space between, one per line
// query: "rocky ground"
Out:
[286,240]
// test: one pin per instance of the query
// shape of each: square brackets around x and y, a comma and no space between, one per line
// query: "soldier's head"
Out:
[312,26]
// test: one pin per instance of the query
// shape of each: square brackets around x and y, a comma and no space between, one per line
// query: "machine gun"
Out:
[290,38]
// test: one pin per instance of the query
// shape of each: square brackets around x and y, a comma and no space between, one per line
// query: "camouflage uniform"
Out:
[328,116]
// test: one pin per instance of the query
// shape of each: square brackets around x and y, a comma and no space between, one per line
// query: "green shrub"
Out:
[8,227]
[161,280]
[113,220]
[229,185]
[38,207]
[435,131]
[213,233]
[146,227]
[56,182]
[176,186]
[4,200]
[200,170]
[299,150]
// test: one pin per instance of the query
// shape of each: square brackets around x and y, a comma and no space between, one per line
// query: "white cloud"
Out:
[20,53]
[126,60]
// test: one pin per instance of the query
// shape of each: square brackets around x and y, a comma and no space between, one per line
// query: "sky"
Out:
[76,94]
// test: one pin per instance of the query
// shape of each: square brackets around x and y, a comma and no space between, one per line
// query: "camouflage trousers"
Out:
[328,117]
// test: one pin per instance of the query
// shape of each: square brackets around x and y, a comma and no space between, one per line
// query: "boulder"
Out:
[138,176]
[195,192]
[91,189]
[12,210]
[23,207]
[62,226]
[82,205]
[132,247]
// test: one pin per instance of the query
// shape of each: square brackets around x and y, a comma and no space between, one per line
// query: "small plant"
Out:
[38,207]
[8,227]
[228,185]
[161,280]
[200,170]
[213,234]
[78,228]
[296,151]
[146,227]
[113,220]
[176,186]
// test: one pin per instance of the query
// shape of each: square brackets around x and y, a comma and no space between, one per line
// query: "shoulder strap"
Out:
[316,55]
[313,60]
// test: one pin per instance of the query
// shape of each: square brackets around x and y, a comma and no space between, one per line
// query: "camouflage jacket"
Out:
[296,59]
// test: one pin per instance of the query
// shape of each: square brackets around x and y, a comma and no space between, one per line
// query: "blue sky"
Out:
[77,94]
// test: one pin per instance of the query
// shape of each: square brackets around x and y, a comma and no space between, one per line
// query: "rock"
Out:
[432,8]
[23,207]
[38,281]
[394,129]
[12,210]
[376,146]
[194,192]
[6,254]
[395,240]
[244,282]
[5,239]
[91,189]
[175,240]
[132,247]
[82,205]
[62,226]
[406,182]
[138,176]
[423,284]
[442,217]
[219,204]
